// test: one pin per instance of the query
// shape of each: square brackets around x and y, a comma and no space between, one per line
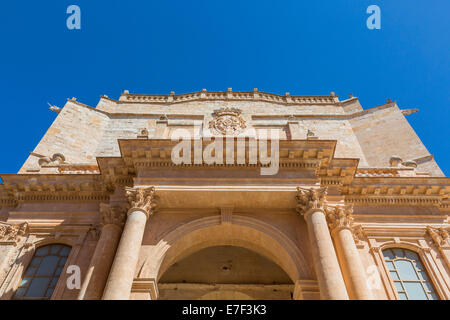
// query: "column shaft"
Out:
[120,280]
[352,267]
[331,283]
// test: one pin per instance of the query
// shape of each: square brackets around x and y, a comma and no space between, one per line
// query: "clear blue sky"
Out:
[301,47]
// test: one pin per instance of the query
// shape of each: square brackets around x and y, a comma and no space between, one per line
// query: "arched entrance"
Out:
[225,273]
[262,241]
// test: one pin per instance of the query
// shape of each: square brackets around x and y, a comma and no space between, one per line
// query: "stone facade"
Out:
[351,184]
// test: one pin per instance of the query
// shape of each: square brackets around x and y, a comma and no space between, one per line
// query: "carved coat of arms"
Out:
[227,121]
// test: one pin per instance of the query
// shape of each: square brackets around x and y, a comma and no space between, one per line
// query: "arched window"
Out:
[409,275]
[40,278]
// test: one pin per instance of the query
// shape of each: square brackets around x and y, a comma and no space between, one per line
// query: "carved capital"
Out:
[10,233]
[339,217]
[114,215]
[440,236]
[308,199]
[359,235]
[143,199]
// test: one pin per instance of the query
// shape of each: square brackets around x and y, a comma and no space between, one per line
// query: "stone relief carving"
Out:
[227,121]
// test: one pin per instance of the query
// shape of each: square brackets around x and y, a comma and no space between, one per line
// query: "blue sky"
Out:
[301,47]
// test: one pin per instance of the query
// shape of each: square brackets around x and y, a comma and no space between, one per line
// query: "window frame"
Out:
[34,276]
[423,259]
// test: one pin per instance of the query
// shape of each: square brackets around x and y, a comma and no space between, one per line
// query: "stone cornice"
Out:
[337,116]
[394,200]
[392,186]
[292,153]
[79,168]
[8,201]
[229,96]
[55,187]
[417,191]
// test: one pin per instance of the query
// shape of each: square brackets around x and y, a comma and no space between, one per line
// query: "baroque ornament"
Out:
[227,121]
[308,199]
[439,235]
[9,232]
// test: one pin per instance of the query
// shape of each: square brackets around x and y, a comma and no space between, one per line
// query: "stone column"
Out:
[120,280]
[341,222]
[310,204]
[113,219]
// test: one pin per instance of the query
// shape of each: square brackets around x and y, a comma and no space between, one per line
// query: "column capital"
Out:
[142,199]
[309,199]
[11,233]
[112,215]
[339,217]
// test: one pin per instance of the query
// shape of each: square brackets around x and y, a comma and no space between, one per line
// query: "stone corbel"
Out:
[144,289]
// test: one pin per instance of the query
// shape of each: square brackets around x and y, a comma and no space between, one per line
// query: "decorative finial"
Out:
[394,161]
[54,108]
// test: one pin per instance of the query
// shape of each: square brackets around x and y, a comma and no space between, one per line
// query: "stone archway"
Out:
[225,273]
[246,232]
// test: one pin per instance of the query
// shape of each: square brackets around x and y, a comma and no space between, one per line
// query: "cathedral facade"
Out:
[226,195]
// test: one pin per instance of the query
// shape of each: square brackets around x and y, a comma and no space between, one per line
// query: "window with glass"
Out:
[40,278]
[409,275]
